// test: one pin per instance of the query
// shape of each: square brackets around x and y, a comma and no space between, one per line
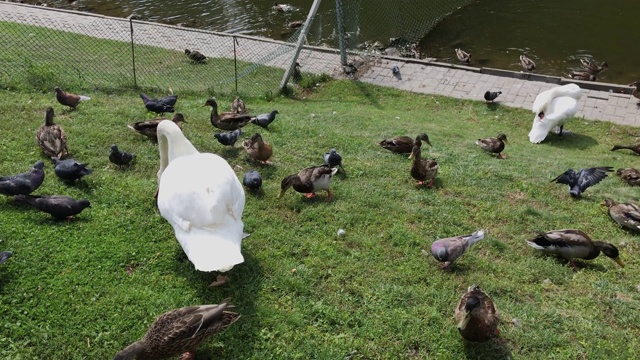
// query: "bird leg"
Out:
[561,127]
[500,156]
[189,355]
[420,182]
[220,280]
[573,264]
[329,196]
[430,184]
[309,195]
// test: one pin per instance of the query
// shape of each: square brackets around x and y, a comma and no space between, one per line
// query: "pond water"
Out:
[555,34]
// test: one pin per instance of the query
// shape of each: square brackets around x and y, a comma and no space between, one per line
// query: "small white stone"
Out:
[335,112]
[341,232]
[313,115]
[622,245]
[397,117]
[516,322]
[547,281]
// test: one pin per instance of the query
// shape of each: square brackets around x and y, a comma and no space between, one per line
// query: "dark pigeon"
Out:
[196,56]
[70,170]
[4,256]
[449,249]
[263,120]
[395,69]
[120,158]
[59,206]
[161,106]
[333,159]
[252,180]
[25,183]
[580,181]
[228,138]
[491,95]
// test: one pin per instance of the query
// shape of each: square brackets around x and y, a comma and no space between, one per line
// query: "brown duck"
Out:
[149,128]
[257,148]
[636,91]
[629,175]
[69,99]
[51,137]
[476,316]
[180,331]
[226,121]
[422,169]
[635,148]
[493,145]
[402,144]
[463,56]
[527,64]
[626,215]
[309,181]
[238,106]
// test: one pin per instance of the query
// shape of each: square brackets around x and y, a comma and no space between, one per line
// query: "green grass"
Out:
[87,288]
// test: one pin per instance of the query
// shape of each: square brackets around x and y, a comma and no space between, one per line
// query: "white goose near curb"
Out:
[553,108]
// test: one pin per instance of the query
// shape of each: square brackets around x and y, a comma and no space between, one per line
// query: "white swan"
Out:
[553,108]
[201,197]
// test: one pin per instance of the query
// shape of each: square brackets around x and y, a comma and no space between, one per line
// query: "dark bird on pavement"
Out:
[51,137]
[69,99]
[333,159]
[25,183]
[449,249]
[58,206]
[120,157]
[196,56]
[228,138]
[161,106]
[4,256]
[635,148]
[491,95]
[252,180]
[579,181]
[70,170]
[263,120]
[180,331]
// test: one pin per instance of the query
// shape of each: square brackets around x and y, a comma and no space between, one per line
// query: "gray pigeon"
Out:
[580,181]
[59,206]
[4,256]
[228,138]
[263,120]
[120,158]
[333,159]
[70,170]
[489,96]
[252,180]
[395,69]
[25,183]
[449,249]
[161,106]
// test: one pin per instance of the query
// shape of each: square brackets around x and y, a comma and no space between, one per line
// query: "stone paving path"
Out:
[606,102]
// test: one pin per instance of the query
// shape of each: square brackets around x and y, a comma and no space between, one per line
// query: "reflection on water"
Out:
[555,34]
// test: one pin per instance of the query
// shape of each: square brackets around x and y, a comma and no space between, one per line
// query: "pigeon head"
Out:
[114,147]
[84,203]
[39,165]
[440,253]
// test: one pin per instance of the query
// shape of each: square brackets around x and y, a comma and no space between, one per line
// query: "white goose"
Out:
[553,108]
[201,197]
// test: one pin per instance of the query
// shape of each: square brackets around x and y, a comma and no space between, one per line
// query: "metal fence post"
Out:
[341,35]
[301,38]
[133,54]
[235,62]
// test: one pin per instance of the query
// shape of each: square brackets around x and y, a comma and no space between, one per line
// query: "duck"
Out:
[257,148]
[626,215]
[51,137]
[196,56]
[70,170]
[282,7]
[553,108]
[402,144]
[120,157]
[582,75]
[579,181]
[447,250]
[477,316]
[69,99]
[252,180]
[592,67]
[463,56]
[180,331]
[160,106]
[226,121]
[422,170]
[201,197]
[527,64]
[636,91]
[295,24]
[228,138]
[263,120]
[493,145]
[149,128]
[24,183]
[238,106]
[489,96]
[333,159]
[573,244]
[60,207]
[635,148]
[629,175]
[309,181]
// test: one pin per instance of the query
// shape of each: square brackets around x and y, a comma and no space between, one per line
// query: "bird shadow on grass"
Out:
[496,348]
[493,106]
[573,141]
[365,90]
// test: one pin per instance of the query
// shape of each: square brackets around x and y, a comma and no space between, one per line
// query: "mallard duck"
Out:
[70,170]
[636,91]
[489,96]
[493,145]
[149,128]
[463,56]
[422,169]
[527,64]
[160,106]
[59,206]
[449,249]
[592,67]
[635,148]
[51,137]
[582,75]
[333,159]
[309,181]
[263,120]
[69,99]
[24,183]
[196,56]
[573,244]
[257,148]
[295,24]
[180,331]
[553,108]
[402,144]
[579,181]
[629,175]
[120,157]
[476,315]
[238,106]
[201,197]
[226,121]
[626,215]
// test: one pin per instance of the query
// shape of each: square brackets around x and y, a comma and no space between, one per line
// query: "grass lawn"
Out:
[86,288]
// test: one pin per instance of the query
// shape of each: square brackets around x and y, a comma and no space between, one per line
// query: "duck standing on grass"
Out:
[226,121]
[626,215]
[69,99]
[476,316]
[51,137]
[402,144]
[258,149]
[422,170]
[635,148]
[309,181]
[238,106]
[629,175]
[493,145]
